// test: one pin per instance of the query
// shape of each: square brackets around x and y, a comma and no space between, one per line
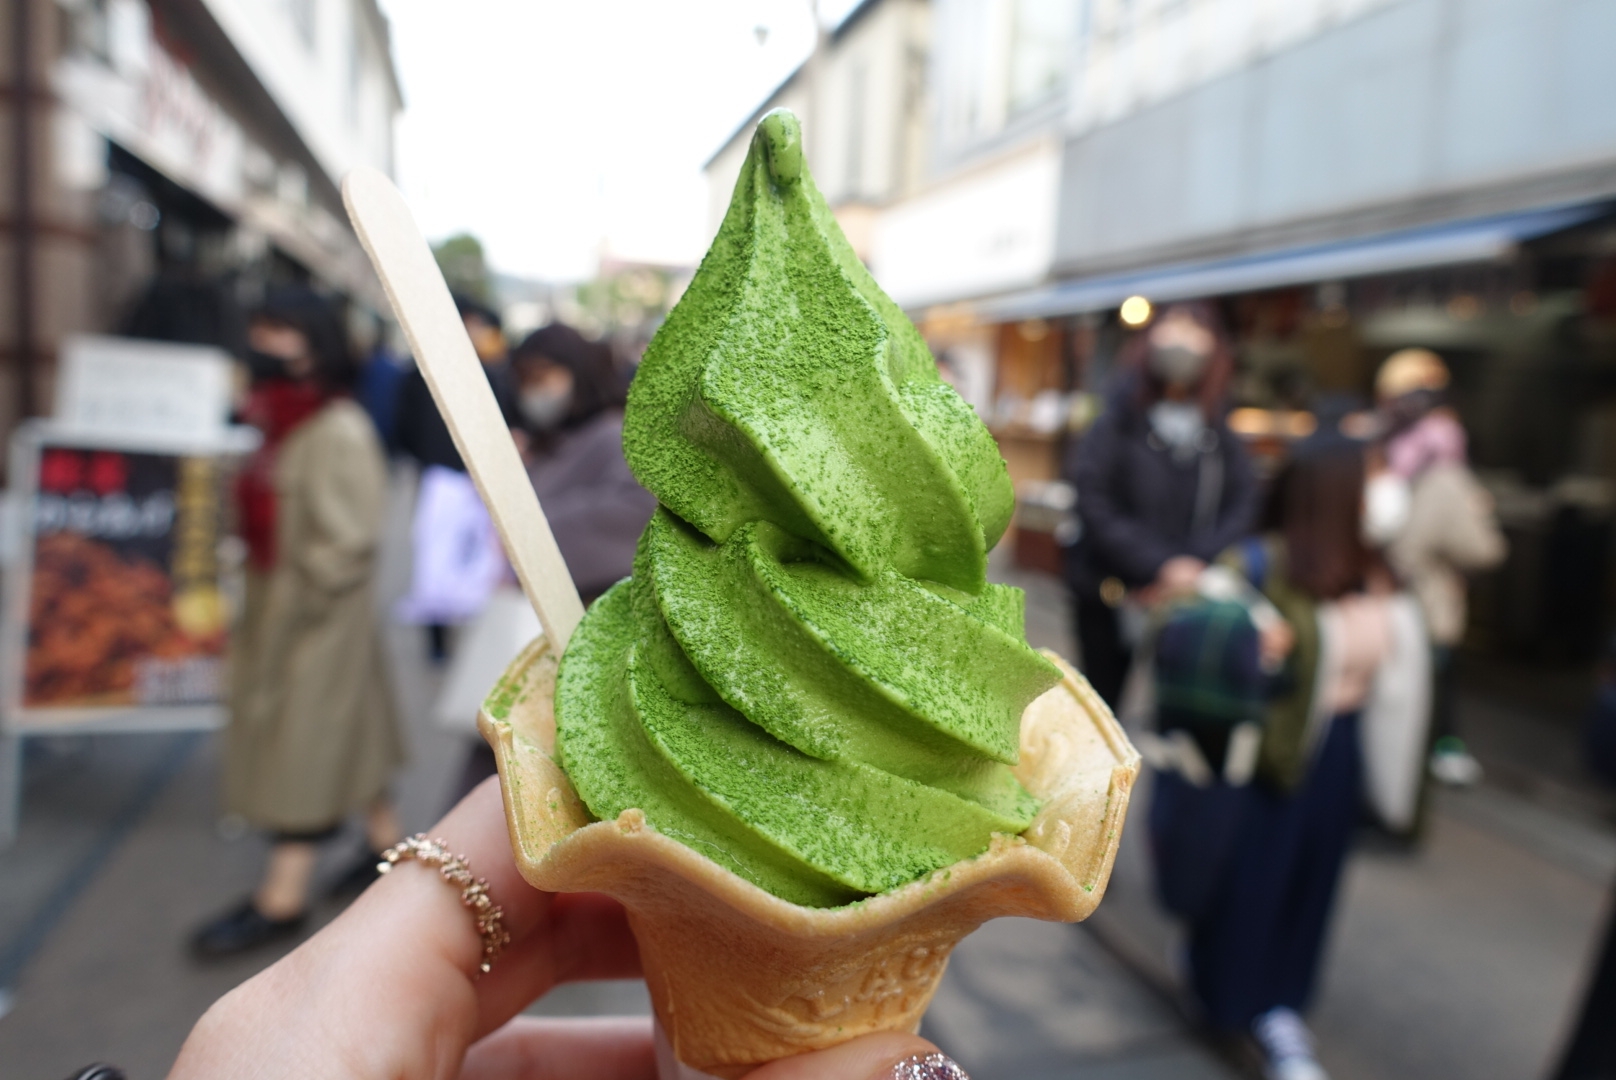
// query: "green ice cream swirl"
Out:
[808,678]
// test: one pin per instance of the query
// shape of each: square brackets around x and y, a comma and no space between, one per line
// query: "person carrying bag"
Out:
[1214,657]
[1251,857]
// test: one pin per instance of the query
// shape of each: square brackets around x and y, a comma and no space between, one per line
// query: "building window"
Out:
[1040,49]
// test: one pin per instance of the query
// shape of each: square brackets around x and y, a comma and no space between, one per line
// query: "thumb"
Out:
[881,1056]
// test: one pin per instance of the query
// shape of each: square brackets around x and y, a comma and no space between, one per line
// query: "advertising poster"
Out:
[124,606]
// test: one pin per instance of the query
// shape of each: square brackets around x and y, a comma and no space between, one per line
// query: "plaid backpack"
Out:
[1208,674]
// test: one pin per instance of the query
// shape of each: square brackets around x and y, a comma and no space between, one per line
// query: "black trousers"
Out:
[1591,1054]
[1106,657]
[1444,687]
[1259,945]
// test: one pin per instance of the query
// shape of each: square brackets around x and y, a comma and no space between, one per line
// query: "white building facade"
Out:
[862,100]
[1216,127]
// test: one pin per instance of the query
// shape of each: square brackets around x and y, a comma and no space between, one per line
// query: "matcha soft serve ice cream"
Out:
[808,679]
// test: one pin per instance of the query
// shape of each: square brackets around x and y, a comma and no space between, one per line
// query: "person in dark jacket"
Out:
[1162,485]
[418,429]
[1590,1053]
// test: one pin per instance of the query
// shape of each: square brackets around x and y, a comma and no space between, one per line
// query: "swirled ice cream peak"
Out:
[787,387]
[808,678]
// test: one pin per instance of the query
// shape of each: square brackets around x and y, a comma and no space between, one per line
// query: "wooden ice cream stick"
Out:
[421,300]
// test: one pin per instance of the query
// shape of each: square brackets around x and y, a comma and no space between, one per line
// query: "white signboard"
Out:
[116,388]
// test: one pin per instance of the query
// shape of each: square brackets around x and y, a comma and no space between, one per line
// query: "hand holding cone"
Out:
[740,977]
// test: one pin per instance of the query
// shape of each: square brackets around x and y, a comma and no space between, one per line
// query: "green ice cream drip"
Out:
[808,678]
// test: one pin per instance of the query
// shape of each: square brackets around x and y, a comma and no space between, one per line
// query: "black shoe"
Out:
[241,929]
[356,879]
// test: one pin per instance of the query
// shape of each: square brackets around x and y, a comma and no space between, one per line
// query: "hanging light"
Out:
[1135,311]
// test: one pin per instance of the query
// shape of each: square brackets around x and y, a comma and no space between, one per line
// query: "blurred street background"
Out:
[1034,182]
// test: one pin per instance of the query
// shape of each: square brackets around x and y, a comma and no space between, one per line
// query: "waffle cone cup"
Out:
[739,977]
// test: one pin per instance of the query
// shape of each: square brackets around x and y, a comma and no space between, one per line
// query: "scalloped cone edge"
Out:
[739,977]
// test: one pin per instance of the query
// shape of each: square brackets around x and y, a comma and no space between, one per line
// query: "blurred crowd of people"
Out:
[315,737]
[1283,652]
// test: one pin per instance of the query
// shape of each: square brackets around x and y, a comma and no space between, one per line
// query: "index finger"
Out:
[555,937]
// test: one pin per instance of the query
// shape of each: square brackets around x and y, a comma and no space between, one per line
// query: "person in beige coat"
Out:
[314,735]
[1450,531]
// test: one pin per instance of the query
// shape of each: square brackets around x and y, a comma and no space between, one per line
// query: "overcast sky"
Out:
[554,129]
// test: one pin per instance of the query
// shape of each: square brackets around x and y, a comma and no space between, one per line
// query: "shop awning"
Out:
[1471,241]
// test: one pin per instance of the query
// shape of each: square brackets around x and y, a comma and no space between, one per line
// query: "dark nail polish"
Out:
[927,1067]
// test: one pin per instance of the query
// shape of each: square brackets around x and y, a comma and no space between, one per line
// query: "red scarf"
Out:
[275,407]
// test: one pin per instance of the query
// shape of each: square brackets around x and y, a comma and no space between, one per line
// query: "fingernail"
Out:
[927,1067]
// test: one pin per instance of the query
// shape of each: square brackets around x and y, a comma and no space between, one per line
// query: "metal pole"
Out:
[10,786]
[23,209]
[22,216]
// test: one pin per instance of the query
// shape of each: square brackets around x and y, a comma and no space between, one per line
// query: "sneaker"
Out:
[1453,765]
[241,929]
[1287,1046]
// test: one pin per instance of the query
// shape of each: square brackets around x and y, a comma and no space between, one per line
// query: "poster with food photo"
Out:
[124,606]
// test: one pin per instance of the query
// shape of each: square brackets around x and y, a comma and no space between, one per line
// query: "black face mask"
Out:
[264,367]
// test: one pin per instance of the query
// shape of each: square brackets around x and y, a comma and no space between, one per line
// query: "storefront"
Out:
[1521,306]
[170,188]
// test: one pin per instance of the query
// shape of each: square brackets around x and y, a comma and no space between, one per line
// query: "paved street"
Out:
[1460,960]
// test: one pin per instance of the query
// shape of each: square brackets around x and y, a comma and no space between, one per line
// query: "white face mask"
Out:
[1177,423]
[1386,508]
[544,408]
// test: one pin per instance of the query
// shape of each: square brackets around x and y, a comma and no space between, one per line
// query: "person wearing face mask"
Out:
[1162,485]
[458,560]
[314,736]
[570,399]
[1441,528]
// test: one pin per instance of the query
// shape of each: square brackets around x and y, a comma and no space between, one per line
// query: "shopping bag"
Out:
[1210,685]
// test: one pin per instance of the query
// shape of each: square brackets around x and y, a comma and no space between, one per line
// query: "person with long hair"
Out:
[1162,484]
[314,736]
[570,399]
[1255,949]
